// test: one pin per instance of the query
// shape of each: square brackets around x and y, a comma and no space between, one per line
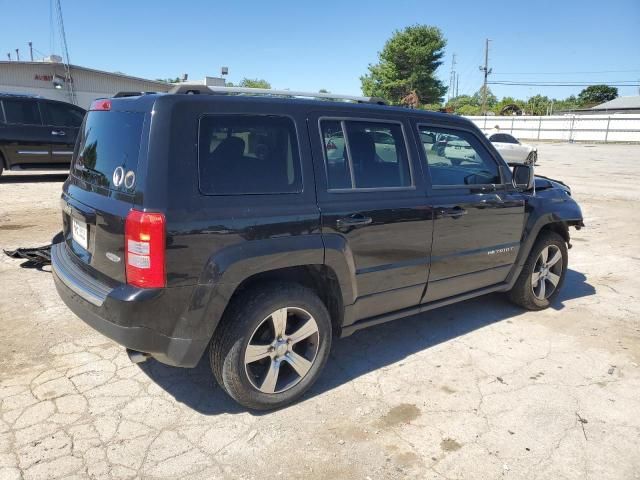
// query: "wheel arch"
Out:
[319,278]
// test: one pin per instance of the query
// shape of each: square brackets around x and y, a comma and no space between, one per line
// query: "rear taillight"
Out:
[100,105]
[144,249]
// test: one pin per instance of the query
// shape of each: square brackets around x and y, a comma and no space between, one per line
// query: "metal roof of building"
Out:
[620,103]
[78,67]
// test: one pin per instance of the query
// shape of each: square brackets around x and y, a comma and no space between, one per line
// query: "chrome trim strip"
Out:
[60,152]
[32,152]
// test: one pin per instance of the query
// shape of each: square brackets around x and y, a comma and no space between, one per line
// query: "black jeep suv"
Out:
[262,227]
[37,133]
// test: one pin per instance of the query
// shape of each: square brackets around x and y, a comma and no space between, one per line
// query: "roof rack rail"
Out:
[186,88]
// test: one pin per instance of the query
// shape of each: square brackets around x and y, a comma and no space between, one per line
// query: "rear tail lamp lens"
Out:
[145,249]
[100,105]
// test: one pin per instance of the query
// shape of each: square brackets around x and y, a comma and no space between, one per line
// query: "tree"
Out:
[596,94]
[538,105]
[254,83]
[408,62]
[491,98]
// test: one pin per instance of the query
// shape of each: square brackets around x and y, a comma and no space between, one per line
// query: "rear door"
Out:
[372,202]
[478,221]
[24,137]
[102,188]
[63,121]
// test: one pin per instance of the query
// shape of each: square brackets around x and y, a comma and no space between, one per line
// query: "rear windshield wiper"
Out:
[93,171]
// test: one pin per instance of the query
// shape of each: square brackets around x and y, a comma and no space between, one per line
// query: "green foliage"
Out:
[323,90]
[538,105]
[596,94]
[407,62]
[433,107]
[254,83]
[491,98]
[468,109]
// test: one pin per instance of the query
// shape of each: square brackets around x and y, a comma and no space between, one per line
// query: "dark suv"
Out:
[37,133]
[263,227]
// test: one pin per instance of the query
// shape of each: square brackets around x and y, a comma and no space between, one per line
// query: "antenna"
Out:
[66,60]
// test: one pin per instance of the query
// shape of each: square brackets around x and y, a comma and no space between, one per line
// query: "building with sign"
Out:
[78,85]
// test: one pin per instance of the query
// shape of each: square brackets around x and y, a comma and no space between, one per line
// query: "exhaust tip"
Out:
[137,357]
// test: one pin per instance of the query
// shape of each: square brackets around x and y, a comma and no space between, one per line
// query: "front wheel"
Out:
[543,273]
[532,158]
[271,346]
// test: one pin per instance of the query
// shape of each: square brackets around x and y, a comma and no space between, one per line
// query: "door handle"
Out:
[455,212]
[355,220]
[59,133]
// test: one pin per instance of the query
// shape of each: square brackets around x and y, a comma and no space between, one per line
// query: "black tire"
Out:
[243,317]
[532,158]
[522,293]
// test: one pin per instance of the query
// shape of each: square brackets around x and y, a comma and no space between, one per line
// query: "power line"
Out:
[565,73]
[622,83]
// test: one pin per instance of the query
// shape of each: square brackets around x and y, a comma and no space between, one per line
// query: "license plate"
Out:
[79,232]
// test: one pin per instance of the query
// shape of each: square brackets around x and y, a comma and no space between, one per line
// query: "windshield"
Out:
[107,140]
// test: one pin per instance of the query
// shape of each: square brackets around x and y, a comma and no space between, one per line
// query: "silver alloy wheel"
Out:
[281,350]
[547,272]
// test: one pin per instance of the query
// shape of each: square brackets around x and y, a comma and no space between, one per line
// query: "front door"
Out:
[478,221]
[371,198]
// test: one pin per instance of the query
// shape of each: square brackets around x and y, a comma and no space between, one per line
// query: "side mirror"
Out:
[523,177]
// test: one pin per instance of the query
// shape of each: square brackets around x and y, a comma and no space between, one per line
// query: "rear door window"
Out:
[108,140]
[61,115]
[374,155]
[248,154]
[21,112]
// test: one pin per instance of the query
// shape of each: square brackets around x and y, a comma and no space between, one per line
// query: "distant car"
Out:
[512,150]
[36,133]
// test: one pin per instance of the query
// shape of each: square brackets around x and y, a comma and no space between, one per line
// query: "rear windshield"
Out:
[108,140]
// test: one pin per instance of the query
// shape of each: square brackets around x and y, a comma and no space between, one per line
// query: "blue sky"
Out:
[328,44]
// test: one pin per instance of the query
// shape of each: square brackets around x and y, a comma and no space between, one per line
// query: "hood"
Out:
[545,183]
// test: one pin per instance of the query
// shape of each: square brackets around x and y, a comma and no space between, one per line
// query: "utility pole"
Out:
[486,71]
[452,78]
[457,85]
[31,50]
[18,54]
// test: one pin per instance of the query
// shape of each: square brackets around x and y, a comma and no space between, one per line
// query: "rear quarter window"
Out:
[248,154]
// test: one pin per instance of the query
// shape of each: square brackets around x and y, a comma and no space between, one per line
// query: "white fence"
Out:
[619,127]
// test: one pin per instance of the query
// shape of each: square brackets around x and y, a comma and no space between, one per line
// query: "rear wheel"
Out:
[543,274]
[271,346]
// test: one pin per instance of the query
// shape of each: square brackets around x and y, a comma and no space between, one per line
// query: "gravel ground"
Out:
[476,390]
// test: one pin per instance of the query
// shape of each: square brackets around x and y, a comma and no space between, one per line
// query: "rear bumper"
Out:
[138,319]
